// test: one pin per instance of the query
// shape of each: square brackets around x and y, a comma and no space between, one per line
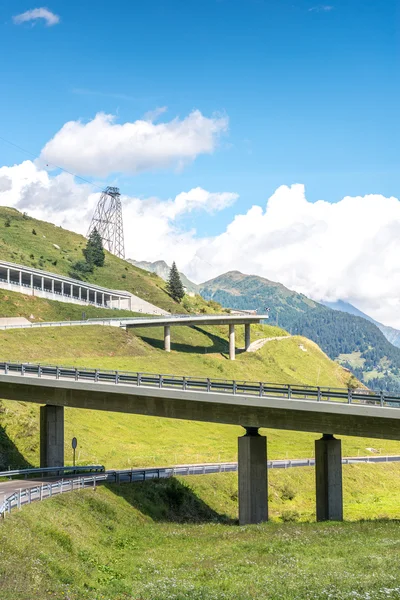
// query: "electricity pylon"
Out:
[107,219]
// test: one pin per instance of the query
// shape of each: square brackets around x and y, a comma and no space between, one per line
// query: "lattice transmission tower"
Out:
[107,219]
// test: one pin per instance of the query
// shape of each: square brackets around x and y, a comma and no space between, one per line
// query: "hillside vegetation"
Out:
[55,249]
[117,440]
[178,539]
[343,336]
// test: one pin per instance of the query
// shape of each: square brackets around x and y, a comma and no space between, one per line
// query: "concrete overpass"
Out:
[252,405]
[44,284]
[165,321]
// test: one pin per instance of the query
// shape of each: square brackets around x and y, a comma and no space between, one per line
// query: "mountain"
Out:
[347,337]
[160,268]
[390,333]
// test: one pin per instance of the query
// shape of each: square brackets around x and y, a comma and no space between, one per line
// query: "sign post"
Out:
[74,445]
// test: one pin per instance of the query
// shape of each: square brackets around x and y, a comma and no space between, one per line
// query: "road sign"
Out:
[74,445]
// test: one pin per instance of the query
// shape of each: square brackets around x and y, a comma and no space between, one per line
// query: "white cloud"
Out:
[152,115]
[321,8]
[348,250]
[101,146]
[35,14]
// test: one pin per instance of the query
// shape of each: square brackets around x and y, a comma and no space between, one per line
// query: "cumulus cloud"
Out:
[57,199]
[35,14]
[348,250]
[102,146]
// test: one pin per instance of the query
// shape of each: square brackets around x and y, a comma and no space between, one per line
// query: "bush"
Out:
[287,492]
[82,267]
[288,516]
[7,222]
[34,232]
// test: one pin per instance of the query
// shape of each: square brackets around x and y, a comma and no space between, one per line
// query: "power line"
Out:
[50,163]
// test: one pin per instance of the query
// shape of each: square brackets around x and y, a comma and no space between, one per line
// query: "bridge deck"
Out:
[249,404]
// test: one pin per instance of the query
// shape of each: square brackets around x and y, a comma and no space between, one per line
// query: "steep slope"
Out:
[176,539]
[351,339]
[43,245]
[126,440]
[160,268]
[390,333]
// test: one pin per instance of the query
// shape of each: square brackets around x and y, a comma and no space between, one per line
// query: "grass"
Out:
[119,441]
[14,304]
[178,539]
[56,249]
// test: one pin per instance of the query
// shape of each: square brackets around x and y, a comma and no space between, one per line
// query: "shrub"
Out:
[34,232]
[81,266]
[7,222]
[288,516]
[287,492]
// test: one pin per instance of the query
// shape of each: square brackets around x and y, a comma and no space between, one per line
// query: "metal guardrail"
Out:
[176,382]
[113,320]
[47,490]
[53,470]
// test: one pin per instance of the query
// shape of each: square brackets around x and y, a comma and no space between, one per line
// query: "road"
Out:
[42,488]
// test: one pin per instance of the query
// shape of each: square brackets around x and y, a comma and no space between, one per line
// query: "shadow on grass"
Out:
[10,456]
[168,500]
[219,344]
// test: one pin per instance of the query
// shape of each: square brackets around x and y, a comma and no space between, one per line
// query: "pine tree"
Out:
[94,253]
[174,285]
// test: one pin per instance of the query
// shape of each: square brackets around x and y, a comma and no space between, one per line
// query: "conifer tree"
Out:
[174,285]
[94,253]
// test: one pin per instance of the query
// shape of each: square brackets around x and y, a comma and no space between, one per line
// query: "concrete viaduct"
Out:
[166,322]
[250,405]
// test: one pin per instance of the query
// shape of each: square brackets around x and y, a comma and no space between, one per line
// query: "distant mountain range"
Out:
[390,333]
[160,268]
[343,332]
[368,348]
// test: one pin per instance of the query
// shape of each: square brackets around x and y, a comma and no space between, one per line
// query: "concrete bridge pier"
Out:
[51,436]
[167,338]
[231,342]
[328,478]
[247,340]
[252,477]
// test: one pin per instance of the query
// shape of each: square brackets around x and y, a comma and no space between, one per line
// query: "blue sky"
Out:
[311,95]
[310,91]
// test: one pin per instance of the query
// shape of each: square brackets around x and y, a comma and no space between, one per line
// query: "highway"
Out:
[150,321]
[221,386]
[16,493]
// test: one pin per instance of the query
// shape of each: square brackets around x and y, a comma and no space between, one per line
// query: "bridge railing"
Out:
[203,384]
[39,471]
[45,490]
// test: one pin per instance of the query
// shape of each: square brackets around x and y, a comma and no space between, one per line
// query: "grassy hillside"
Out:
[19,244]
[338,333]
[177,539]
[131,440]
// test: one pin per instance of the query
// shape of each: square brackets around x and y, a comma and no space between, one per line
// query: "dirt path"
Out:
[254,346]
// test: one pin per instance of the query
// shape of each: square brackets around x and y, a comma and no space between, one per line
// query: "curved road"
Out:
[14,495]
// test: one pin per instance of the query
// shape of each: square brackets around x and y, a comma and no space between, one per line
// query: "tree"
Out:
[174,285]
[94,253]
